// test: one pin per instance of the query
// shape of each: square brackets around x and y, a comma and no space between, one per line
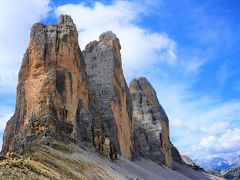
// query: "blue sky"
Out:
[187,49]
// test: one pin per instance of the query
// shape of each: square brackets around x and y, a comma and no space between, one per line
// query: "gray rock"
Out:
[150,124]
[105,76]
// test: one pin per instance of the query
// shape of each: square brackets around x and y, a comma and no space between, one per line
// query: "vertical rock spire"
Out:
[52,85]
[106,79]
[150,124]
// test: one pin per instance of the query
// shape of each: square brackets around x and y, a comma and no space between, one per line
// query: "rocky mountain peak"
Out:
[65,20]
[106,79]
[150,122]
[139,84]
[108,36]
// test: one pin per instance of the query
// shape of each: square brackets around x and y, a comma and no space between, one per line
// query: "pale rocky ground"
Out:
[72,162]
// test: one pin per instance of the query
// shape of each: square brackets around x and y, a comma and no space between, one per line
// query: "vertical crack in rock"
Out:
[150,124]
[105,75]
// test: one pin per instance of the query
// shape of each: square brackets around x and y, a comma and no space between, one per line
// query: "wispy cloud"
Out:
[236,86]
[229,140]
[224,73]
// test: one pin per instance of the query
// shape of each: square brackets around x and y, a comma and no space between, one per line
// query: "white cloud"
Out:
[208,141]
[230,141]
[17,18]
[140,48]
[176,123]
[193,66]
[216,128]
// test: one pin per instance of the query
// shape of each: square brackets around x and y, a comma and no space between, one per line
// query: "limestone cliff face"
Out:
[53,98]
[105,75]
[150,124]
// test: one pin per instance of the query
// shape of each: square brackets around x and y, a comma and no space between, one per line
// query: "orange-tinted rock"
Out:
[52,89]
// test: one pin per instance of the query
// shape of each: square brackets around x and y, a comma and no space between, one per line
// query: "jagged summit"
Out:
[139,79]
[106,79]
[107,40]
[65,20]
[109,37]
[64,27]
[62,20]
[142,84]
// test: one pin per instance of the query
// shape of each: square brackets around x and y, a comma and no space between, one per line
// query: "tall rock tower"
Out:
[150,124]
[105,75]
[53,98]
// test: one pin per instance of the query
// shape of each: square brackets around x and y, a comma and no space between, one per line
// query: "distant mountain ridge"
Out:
[219,163]
[222,167]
